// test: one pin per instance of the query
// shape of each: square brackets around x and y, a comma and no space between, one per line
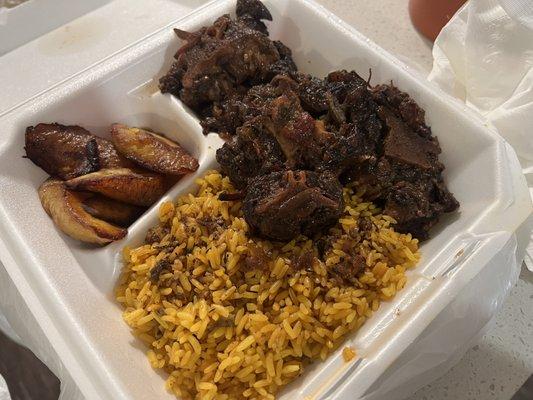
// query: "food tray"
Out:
[25,22]
[69,286]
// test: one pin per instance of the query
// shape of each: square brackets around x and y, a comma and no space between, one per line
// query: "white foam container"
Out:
[33,18]
[69,286]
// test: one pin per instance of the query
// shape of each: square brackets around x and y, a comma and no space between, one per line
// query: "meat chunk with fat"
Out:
[277,135]
[418,207]
[385,146]
[252,152]
[218,64]
[404,145]
[301,137]
[403,106]
[417,195]
[282,205]
[251,12]
[226,116]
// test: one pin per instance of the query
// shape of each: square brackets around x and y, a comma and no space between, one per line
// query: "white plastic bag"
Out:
[484,57]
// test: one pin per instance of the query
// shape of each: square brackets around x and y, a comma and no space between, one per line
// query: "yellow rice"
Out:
[224,331]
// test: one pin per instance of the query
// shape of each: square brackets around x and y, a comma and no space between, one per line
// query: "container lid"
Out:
[22,21]
[77,35]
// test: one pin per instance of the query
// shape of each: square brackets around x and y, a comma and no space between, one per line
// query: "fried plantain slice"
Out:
[122,184]
[61,150]
[66,210]
[108,156]
[111,210]
[152,151]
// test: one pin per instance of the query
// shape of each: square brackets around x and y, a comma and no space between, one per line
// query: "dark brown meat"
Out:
[347,269]
[251,12]
[278,134]
[61,150]
[219,63]
[217,66]
[256,258]
[301,137]
[225,196]
[417,195]
[355,139]
[252,152]
[404,145]
[253,8]
[282,205]
[226,116]
[360,108]
[303,262]
[313,92]
[414,193]
[247,88]
[403,106]
[349,149]
[330,95]
[285,65]
[417,207]
[345,105]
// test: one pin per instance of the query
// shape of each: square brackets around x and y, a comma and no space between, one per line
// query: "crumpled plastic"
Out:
[483,57]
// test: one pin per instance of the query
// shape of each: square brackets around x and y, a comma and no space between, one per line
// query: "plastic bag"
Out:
[483,57]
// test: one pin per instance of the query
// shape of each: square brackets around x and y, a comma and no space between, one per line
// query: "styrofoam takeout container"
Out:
[33,18]
[69,286]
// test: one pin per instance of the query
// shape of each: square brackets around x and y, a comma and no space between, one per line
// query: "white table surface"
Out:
[499,364]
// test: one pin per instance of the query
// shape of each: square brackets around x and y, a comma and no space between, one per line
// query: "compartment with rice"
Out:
[228,315]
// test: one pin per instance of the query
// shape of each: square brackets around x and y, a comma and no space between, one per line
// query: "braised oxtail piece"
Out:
[282,205]
[218,64]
